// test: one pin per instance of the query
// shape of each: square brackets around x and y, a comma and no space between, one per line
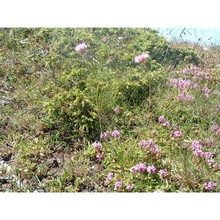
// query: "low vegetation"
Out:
[107,110]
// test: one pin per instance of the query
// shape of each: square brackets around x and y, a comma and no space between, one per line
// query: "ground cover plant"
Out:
[107,110]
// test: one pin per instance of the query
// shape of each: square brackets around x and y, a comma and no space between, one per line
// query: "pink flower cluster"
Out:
[210,186]
[117,110]
[162,120]
[215,129]
[97,147]
[176,133]
[180,83]
[115,133]
[141,58]
[138,168]
[149,146]
[151,169]
[118,185]
[109,177]
[184,97]
[106,135]
[81,47]
[206,91]
[162,173]
[142,168]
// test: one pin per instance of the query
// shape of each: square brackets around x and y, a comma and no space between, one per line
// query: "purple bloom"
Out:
[133,169]
[138,168]
[199,153]
[141,58]
[161,119]
[81,47]
[109,177]
[115,133]
[162,173]
[117,110]
[176,133]
[143,144]
[189,98]
[210,186]
[195,146]
[185,145]
[97,145]
[185,71]
[210,162]
[155,150]
[118,185]
[99,155]
[151,169]
[209,141]
[166,124]
[129,186]
[214,128]
[104,135]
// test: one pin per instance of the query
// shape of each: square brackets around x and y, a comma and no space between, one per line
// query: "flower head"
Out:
[141,58]
[129,186]
[151,169]
[115,133]
[161,119]
[97,145]
[104,135]
[162,173]
[210,186]
[99,155]
[176,133]
[118,185]
[117,110]
[109,177]
[81,47]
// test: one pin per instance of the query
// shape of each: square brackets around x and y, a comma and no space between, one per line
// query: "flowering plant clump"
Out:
[118,185]
[151,169]
[109,177]
[81,47]
[210,186]
[115,133]
[138,168]
[141,58]
[97,146]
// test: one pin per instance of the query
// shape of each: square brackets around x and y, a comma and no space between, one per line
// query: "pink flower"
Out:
[199,153]
[185,145]
[109,177]
[210,186]
[133,169]
[143,144]
[104,135]
[155,150]
[99,155]
[195,146]
[117,110]
[161,119]
[81,47]
[151,169]
[141,58]
[138,168]
[162,173]
[129,186]
[115,133]
[118,185]
[97,145]
[166,124]
[214,128]
[176,133]
[189,98]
